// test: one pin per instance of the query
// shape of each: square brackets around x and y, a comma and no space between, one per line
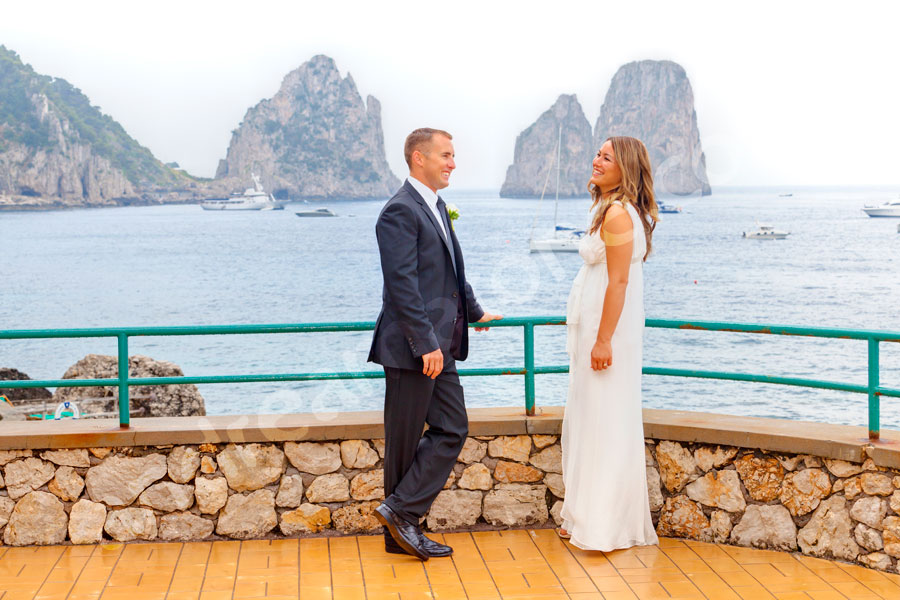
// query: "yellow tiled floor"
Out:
[532,564]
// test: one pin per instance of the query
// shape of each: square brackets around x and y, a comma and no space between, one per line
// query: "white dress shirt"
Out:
[431,198]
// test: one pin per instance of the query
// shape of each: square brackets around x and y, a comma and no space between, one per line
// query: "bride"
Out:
[606,505]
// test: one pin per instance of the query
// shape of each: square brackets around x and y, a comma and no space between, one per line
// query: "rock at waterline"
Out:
[183,400]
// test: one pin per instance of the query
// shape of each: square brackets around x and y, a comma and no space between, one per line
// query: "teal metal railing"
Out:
[873,388]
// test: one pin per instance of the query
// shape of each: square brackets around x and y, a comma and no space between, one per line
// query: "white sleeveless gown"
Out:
[606,505]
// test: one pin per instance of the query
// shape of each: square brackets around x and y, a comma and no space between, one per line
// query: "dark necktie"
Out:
[445,220]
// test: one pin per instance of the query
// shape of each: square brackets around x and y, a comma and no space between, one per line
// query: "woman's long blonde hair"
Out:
[636,187]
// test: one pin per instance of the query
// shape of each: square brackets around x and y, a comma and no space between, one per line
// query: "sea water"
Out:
[180,265]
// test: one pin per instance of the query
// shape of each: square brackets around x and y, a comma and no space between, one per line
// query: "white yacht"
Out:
[254,198]
[888,209]
[766,232]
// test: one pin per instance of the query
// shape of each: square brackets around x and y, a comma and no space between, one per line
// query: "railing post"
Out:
[874,399]
[529,368]
[124,402]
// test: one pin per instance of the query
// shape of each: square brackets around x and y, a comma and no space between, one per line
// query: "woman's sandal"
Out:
[563,533]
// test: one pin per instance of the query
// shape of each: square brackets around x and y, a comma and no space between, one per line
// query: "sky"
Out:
[786,93]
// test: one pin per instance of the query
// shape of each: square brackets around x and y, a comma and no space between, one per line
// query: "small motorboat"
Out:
[888,209]
[319,212]
[765,232]
[664,208]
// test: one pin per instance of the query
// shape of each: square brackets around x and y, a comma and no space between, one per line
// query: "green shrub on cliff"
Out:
[23,120]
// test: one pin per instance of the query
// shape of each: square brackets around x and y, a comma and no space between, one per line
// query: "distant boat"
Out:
[662,207]
[565,239]
[888,209]
[319,212]
[765,232]
[788,195]
[254,198]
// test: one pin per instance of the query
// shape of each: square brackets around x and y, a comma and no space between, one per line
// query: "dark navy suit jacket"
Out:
[424,279]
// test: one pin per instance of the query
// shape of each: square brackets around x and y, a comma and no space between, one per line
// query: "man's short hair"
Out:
[419,138]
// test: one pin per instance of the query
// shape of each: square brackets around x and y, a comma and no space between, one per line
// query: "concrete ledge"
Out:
[776,435]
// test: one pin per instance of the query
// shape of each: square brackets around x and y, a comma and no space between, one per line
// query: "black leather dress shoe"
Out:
[433,548]
[404,533]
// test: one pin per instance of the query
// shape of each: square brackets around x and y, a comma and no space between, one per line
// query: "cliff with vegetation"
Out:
[57,150]
[315,138]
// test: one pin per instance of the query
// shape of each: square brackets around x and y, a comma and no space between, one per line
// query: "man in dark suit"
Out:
[420,334]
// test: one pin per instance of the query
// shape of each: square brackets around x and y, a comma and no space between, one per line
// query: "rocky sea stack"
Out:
[535,154]
[650,100]
[57,150]
[315,138]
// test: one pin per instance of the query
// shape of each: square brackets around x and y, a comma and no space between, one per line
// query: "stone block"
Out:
[168,497]
[516,505]
[356,518]
[548,460]
[871,511]
[874,484]
[314,457]
[513,447]
[654,489]
[183,462]
[211,494]
[66,485]
[720,489]
[472,451]
[251,467]
[542,441]
[184,526]
[67,458]
[454,509]
[86,521]
[682,517]
[129,524]
[511,472]
[333,487]
[842,468]
[829,532]
[118,480]
[38,519]
[368,485]
[708,458]
[476,477]
[761,476]
[677,466]
[248,516]
[867,537]
[358,454]
[766,526]
[26,475]
[308,518]
[556,485]
[290,492]
[801,491]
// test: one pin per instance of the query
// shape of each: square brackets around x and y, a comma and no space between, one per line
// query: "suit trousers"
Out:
[416,465]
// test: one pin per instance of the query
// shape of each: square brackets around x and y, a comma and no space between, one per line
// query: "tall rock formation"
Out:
[535,153]
[315,138]
[58,150]
[653,101]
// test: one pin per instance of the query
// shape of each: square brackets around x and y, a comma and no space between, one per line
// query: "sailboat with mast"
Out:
[564,239]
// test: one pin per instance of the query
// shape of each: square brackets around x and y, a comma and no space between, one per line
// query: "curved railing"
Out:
[873,388]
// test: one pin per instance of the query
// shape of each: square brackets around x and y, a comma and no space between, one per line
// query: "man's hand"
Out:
[433,363]
[486,318]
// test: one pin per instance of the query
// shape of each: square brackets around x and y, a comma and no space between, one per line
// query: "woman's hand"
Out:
[601,355]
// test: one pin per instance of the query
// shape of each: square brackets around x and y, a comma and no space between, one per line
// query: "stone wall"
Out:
[749,497]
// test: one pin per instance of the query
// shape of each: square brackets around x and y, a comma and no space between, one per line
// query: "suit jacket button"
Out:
[455,294]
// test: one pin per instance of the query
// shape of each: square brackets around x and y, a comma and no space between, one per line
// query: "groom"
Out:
[420,334]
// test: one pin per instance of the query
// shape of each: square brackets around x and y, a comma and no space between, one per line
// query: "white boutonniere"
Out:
[453,213]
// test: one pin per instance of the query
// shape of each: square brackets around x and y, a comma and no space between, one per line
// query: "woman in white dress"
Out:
[606,505]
